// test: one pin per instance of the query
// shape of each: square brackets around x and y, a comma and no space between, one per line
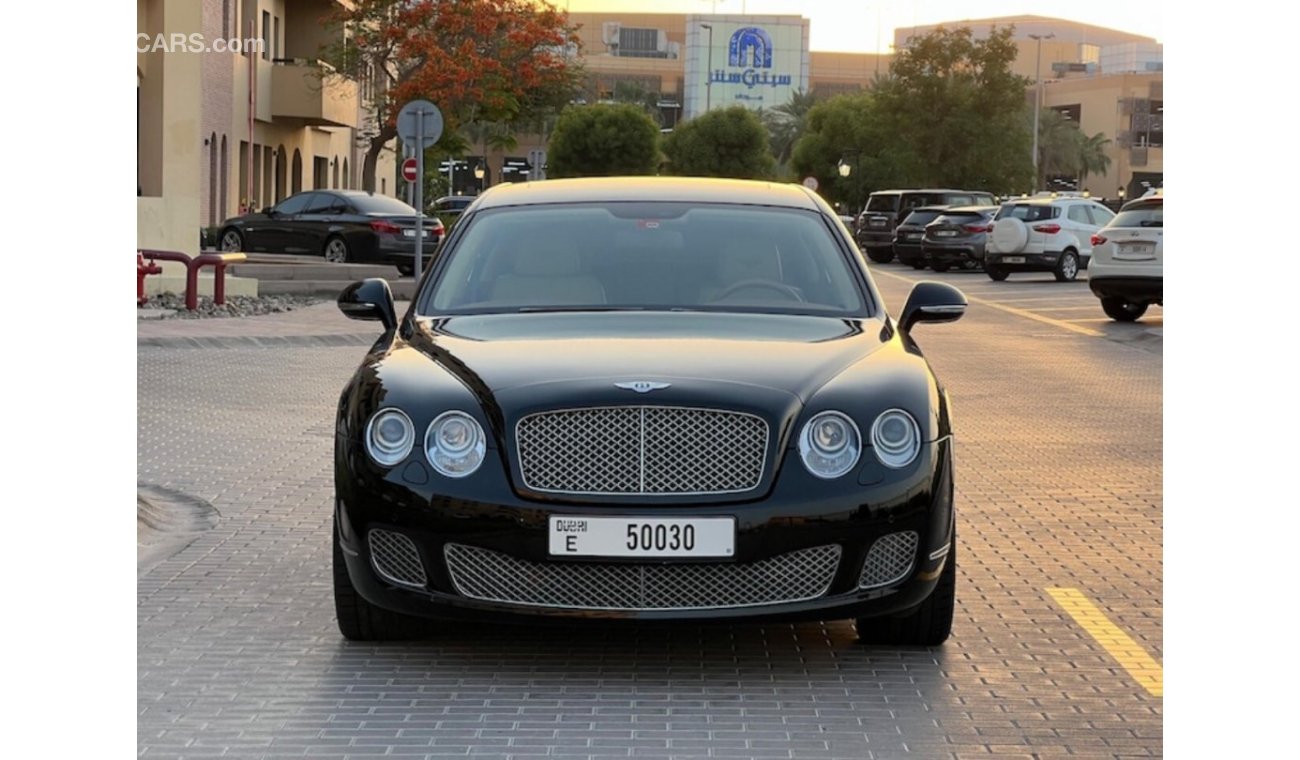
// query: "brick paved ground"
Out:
[1059,484]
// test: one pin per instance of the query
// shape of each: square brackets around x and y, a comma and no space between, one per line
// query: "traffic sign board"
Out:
[410,170]
[419,122]
[810,183]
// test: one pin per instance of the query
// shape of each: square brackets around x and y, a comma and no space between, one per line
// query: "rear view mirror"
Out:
[932,302]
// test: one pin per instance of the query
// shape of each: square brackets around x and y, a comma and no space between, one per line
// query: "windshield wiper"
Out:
[536,309]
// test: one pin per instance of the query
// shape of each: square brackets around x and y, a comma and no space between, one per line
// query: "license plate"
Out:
[1013,259]
[648,537]
[1135,251]
[944,233]
[912,236]
[877,222]
[411,233]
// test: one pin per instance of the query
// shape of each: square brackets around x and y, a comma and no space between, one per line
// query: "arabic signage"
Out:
[757,62]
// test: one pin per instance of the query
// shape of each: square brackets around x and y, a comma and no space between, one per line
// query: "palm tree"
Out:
[786,124]
[1059,139]
[1092,156]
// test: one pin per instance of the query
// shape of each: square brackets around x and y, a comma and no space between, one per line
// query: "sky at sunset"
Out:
[853,26]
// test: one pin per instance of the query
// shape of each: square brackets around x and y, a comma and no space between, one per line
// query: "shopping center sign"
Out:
[758,65]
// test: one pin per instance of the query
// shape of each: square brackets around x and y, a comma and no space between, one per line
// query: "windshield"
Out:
[920,218]
[882,202]
[1028,212]
[1141,216]
[380,204]
[653,256]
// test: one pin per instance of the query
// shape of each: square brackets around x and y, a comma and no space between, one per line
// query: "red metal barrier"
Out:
[142,269]
[218,262]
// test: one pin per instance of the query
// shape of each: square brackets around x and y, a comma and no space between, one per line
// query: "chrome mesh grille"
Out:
[890,559]
[651,450]
[396,558]
[495,577]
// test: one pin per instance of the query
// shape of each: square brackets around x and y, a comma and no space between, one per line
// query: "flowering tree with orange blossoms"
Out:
[505,61]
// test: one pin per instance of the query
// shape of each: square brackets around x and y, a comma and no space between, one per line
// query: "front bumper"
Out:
[787,520]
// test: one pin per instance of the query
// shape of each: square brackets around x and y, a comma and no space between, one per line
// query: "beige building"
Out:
[1108,81]
[235,113]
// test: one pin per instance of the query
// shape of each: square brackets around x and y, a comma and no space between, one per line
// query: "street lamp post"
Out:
[708,79]
[478,175]
[1038,101]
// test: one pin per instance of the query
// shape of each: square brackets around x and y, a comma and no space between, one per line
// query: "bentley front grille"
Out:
[495,577]
[642,450]
[890,559]
[396,559]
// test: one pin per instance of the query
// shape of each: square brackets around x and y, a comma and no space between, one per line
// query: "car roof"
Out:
[1146,200]
[682,189]
[1045,201]
[914,209]
[972,209]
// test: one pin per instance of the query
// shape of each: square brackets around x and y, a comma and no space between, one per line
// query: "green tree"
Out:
[603,140]
[853,129]
[489,60]
[1092,157]
[955,105]
[786,124]
[729,142]
[1059,146]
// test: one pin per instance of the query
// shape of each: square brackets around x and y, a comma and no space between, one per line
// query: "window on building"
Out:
[266,35]
[276,38]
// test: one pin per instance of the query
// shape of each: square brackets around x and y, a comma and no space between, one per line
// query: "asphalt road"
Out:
[1057,639]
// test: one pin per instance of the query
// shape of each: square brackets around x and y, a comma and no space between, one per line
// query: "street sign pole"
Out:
[419,195]
[420,123]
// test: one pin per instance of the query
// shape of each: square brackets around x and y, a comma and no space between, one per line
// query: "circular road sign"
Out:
[810,183]
[408,123]
[409,170]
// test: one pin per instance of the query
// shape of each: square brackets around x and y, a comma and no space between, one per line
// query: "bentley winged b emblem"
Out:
[642,386]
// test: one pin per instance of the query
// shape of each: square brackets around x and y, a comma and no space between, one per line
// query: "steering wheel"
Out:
[780,287]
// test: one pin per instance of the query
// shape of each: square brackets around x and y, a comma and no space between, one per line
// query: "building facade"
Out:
[241,115]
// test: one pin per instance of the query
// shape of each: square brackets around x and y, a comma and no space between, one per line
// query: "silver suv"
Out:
[1044,234]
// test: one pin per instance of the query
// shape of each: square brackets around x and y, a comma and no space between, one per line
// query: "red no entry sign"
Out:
[408,170]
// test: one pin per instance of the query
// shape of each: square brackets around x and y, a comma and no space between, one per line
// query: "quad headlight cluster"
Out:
[830,444]
[454,443]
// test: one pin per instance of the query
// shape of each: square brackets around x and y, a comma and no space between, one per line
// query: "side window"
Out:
[1080,214]
[1101,215]
[323,203]
[294,205]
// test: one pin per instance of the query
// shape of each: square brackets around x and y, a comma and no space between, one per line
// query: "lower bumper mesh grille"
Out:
[495,577]
[396,559]
[890,559]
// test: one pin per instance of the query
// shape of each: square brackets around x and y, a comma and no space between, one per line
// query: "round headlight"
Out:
[389,436]
[896,438]
[829,445]
[455,444]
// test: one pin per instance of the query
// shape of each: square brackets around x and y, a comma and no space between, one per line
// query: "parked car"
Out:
[684,400]
[958,238]
[908,235]
[344,226]
[887,208]
[451,205]
[1127,267]
[1049,233]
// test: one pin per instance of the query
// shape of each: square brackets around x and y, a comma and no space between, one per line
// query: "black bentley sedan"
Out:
[685,400]
[344,226]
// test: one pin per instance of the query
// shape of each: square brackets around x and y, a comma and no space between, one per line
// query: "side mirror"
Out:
[932,302]
[369,299]
[271,212]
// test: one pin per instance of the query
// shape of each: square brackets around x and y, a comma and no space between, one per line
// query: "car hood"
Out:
[771,364]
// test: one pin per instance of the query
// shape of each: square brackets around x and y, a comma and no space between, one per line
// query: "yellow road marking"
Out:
[1013,310]
[1127,652]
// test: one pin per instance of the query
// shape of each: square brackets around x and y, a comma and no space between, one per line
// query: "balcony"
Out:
[301,90]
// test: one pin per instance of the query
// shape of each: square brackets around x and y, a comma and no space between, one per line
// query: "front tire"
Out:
[360,620]
[880,255]
[1121,310]
[1068,267]
[996,274]
[405,270]
[928,625]
[336,250]
[232,241]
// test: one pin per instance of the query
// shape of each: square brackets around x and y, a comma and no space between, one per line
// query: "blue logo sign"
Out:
[750,49]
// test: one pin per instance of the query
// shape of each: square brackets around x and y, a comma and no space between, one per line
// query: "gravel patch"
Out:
[235,306]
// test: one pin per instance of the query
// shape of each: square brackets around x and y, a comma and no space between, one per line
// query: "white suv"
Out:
[1127,269]
[1044,234]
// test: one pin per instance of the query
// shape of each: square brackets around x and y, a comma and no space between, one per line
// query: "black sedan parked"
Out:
[956,238]
[685,400]
[344,226]
[908,235]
